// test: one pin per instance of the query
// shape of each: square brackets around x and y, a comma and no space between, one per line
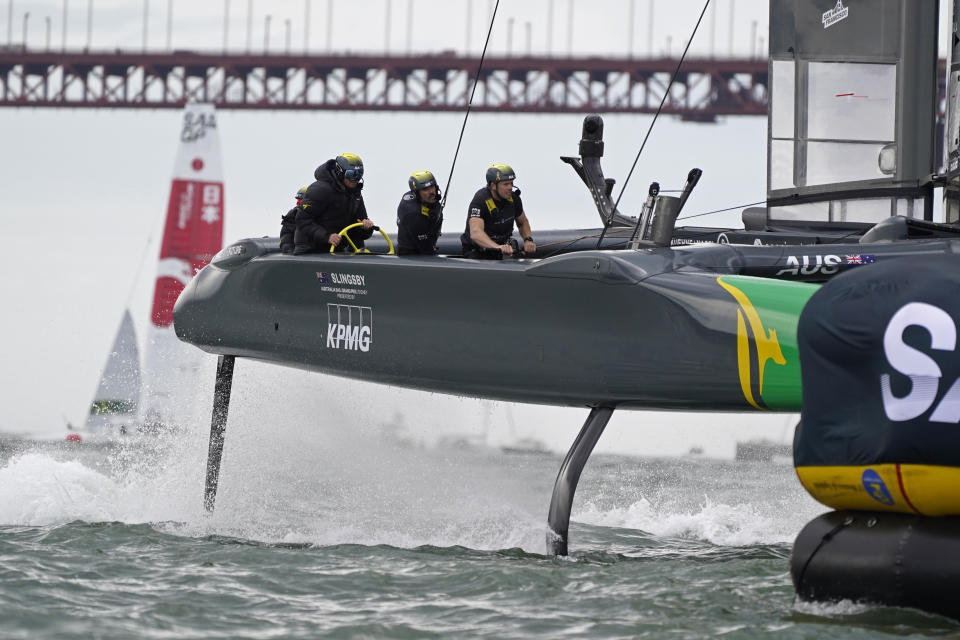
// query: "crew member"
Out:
[288,223]
[491,217]
[419,216]
[331,203]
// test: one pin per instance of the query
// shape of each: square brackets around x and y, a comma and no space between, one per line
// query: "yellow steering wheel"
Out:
[343,235]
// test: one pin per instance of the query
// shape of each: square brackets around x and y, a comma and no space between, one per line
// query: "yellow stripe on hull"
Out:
[906,488]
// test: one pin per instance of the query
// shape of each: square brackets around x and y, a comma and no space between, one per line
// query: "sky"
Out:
[598,26]
[83,192]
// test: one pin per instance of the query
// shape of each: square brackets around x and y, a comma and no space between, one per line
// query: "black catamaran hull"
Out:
[617,329]
[652,328]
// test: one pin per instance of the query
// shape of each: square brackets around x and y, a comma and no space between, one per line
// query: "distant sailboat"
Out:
[115,403]
[129,398]
[768,450]
[763,451]
[527,444]
[193,234]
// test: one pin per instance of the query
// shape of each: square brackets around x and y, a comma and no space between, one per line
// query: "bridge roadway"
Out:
[704,90]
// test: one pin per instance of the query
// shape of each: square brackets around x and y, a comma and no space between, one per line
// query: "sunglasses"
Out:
[353,174]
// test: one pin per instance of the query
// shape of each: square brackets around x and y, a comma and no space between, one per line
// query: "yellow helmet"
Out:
[421,180]
[349,166]
[499,172]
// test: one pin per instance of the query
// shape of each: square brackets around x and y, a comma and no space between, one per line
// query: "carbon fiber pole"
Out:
[566,485]
[218,424]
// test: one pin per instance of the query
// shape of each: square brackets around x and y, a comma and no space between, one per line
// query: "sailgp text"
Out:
[923,371]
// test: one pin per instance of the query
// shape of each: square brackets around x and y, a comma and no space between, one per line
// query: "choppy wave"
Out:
[371,538]
[373,493]
[720,524]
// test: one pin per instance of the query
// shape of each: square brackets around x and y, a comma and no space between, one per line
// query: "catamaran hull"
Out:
[622,329]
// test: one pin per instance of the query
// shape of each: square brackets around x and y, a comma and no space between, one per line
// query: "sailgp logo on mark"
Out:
[195,125]
[349,327]
[835,15]
[768,347]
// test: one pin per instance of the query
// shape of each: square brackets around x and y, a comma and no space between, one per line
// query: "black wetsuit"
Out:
[498,220]
[327,207]
[418,226]
[288,225]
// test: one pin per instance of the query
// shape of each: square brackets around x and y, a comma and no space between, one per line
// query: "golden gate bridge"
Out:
[704,89]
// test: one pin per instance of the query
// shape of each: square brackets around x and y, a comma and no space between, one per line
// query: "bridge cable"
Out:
[666,93]
[466,115]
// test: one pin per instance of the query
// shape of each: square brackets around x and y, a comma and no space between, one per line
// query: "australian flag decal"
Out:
[322,277]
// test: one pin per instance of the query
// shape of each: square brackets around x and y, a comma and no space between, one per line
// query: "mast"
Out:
[951,194]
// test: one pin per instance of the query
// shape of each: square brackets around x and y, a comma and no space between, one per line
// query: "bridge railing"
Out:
[704,90]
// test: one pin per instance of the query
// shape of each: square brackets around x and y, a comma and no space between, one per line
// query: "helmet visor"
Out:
[353,173]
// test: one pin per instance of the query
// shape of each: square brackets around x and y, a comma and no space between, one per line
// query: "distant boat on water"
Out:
[147,398]
[116,401]
[763,451]
[526,445]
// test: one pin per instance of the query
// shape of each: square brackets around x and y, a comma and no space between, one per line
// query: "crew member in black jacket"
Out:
[491,216]
[419,216]
[331,203]
[288,223]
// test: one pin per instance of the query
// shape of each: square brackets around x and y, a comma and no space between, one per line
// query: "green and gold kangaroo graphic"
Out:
[768,311]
